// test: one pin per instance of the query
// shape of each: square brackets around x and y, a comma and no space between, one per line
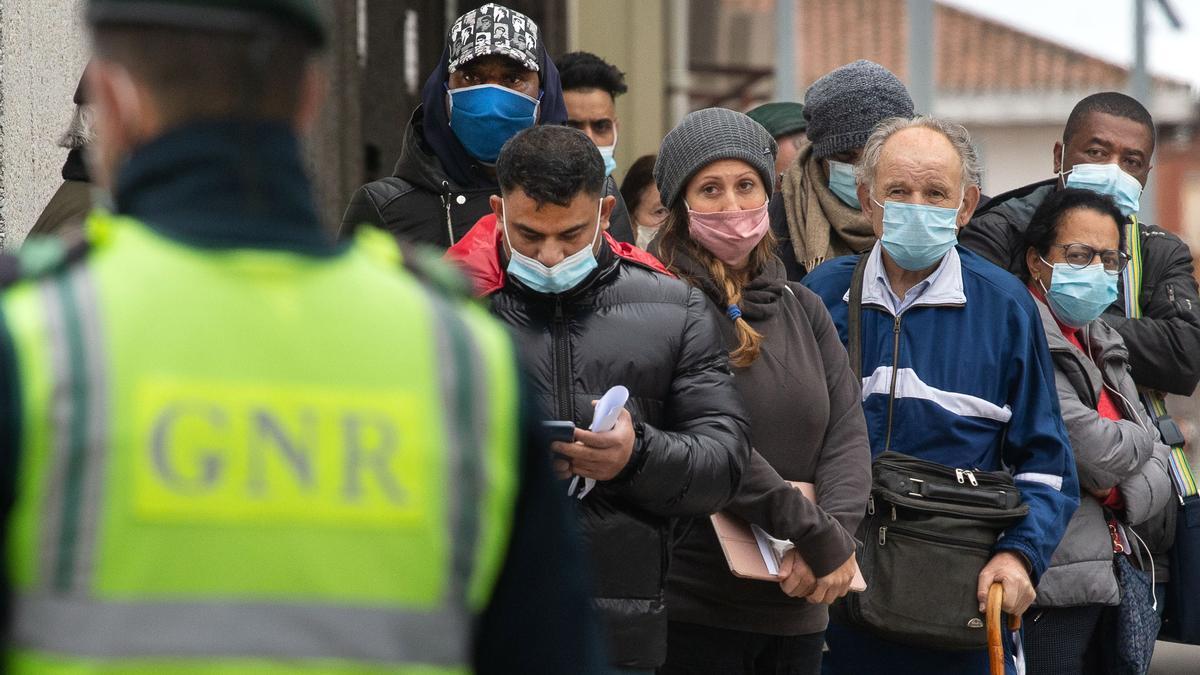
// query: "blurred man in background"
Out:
[73,199]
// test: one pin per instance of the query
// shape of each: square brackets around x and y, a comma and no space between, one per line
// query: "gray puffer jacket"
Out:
[1108,453]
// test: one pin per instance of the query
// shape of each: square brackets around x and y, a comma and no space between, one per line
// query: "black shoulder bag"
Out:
[928,532]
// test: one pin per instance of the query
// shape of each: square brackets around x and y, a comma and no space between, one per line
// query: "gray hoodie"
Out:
[1108,453]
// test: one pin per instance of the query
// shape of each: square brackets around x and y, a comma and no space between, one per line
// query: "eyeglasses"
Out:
[1080,256]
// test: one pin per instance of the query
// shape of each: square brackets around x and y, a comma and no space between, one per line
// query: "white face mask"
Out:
[645,234]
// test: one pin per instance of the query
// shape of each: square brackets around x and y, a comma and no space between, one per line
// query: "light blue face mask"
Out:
[843,183]
[1106,179]
[485,116]
[607,152]
[563,276]
[916,236]
[1078,297]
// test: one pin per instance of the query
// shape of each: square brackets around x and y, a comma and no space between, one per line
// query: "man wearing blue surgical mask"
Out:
[940,381]
[1108,147]
[590,313]
[493,80]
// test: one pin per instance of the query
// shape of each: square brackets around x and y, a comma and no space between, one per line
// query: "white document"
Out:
[608,409]
[771,549]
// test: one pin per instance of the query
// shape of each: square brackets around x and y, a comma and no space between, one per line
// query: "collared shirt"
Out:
[943,287]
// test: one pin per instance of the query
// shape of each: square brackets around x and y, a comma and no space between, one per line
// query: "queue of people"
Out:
[330,458]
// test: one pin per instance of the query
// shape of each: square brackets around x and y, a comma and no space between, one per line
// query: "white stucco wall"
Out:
[42,53]
[1013,156]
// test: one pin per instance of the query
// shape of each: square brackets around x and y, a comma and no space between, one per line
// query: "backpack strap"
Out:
[854,318]
[42,257]
[1182,476]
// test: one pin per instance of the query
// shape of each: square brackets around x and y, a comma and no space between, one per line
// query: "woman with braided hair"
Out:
[715,172]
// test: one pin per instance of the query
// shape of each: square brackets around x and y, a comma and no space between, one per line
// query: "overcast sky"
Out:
[1104,28]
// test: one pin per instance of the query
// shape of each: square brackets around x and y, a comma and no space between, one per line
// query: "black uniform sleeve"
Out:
[540,617]
[1164,345]
[619,225]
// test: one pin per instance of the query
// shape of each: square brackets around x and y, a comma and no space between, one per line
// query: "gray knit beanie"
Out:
[845,105]
[706,136]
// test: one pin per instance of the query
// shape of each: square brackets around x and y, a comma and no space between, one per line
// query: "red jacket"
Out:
[478,255]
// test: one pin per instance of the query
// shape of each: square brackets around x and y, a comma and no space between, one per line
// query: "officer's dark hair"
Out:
[1043,227]
[551,164]
[203,74]
[1110,103]
[584,70]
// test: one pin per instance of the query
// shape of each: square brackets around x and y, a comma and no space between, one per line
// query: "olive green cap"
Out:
[216,15]
[782,118]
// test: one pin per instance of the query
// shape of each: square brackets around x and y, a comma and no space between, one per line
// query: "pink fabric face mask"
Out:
[729,235]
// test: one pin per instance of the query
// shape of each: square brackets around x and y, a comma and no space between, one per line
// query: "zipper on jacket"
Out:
[446,203]
[929,537]
[562,364]
[895,371]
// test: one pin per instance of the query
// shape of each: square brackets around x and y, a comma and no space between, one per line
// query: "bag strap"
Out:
[1182,476]
[854,318]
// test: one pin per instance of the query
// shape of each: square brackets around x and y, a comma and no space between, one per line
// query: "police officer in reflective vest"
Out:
[233,445]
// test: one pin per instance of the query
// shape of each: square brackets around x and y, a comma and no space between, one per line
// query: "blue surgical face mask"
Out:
[607,151]
[843,183]
[916,236]
[1079,297]
[563,276]
[1106,179]
[484,117]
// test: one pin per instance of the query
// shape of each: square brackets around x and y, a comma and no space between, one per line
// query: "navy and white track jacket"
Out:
[962,376]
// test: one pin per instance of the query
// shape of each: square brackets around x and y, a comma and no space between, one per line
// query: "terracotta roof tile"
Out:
[973,54]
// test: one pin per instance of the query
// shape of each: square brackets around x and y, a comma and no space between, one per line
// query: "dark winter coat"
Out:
[629,323]
[1164,345]
[807,425]
[421,203]
[71,203]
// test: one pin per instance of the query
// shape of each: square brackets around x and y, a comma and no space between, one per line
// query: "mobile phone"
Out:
[559,430]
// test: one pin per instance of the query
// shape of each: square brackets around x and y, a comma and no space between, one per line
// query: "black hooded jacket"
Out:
[631,325]
[1164,345]
[437,192]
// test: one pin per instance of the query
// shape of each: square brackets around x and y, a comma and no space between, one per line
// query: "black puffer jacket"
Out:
[1164,345]
[629,324]
[420,203]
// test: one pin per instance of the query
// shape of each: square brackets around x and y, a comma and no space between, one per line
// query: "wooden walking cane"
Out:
[995,635]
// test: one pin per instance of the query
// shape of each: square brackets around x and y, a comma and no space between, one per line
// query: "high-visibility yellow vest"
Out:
[250,461]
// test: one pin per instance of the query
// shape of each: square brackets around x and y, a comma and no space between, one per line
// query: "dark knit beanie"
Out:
[706,136]
[847,103]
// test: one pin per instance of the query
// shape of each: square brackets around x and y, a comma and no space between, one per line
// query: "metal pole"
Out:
[785,50]
[1141,88]
[680,78]
[920,54]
